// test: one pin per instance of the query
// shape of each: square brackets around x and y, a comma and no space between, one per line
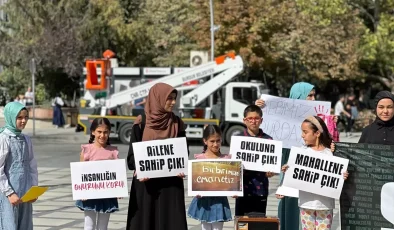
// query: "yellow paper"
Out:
[33,193]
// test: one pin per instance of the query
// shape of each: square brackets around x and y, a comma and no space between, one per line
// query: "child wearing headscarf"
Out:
[18,170]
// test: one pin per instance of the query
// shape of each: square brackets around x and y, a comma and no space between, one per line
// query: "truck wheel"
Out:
[124,133]
[233,130]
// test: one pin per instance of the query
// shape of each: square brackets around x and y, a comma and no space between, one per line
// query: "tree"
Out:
[60,35]
[377,42]
[162,23]
[16,80]
[269,34]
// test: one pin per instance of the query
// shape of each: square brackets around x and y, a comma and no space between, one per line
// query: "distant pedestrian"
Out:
[29,95]
[58,118]
[18,170]
[97,211]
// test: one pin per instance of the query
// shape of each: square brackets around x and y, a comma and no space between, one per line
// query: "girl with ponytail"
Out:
[97,211]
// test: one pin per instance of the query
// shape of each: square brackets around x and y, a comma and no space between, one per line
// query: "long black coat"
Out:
[156,204]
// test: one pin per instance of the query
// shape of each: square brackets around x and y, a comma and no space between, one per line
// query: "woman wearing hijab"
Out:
[381,131]
[18,170]
[157,203]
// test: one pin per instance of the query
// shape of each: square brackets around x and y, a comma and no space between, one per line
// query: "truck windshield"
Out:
[245,95]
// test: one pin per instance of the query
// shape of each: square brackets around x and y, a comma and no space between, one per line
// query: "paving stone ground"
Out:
[55,209]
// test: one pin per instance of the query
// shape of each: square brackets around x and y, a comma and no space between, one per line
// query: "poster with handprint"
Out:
[282,117]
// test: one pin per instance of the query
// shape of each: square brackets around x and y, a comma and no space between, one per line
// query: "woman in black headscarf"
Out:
[381,131]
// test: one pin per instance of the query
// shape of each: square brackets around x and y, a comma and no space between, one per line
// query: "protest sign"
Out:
[367,200]
[315,172]
[99,179]
[215,177]
[257,154]
[283,117]
[161,158]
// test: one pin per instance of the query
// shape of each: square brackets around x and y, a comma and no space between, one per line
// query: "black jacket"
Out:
[378,133]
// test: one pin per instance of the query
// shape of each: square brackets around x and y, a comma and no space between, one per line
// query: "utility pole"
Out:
[33,87]
[212,46]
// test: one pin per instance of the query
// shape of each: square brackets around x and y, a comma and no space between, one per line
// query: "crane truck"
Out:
[227,112]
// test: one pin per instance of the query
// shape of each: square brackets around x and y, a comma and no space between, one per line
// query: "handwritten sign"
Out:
[99,179]
[257,154]
[161,158]
[215,177]
[314,172]
[283,117]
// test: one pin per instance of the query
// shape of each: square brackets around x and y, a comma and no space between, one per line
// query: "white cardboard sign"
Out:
[316,173]
[283,117]
[257,154]
[161,158]
[99,179]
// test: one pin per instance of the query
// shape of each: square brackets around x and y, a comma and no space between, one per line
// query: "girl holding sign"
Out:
[18,170]
[316,211]
[211,211]
[97,211]
[289,205]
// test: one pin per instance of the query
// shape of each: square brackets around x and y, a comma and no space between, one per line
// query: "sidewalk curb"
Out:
[67,137]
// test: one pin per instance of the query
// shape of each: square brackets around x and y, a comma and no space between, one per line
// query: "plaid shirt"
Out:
[255,183]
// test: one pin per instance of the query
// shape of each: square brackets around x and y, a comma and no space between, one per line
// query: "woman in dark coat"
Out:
[157,203]
[381,131]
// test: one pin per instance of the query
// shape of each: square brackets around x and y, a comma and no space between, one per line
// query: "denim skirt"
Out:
[108,205]
[210,209]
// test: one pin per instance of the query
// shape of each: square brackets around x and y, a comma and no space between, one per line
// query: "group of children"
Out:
[315,210]
[16,156]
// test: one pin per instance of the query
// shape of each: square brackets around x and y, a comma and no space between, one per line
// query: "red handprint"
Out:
[321,111]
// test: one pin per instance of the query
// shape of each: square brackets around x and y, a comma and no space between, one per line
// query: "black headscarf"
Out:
[382,95]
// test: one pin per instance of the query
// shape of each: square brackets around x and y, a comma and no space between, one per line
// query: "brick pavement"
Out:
[55,209]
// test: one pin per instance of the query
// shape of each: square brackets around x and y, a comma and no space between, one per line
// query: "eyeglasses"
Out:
[255,119]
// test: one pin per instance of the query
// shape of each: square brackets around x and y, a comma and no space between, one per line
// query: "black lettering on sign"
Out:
[175,163]
[160,150]
[248,157]
[305,175]
[319,164]
[151,165]
[271,160]
[98,176]
[329,181]
[258,147]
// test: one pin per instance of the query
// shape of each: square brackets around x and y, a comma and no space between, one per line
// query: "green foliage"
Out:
[378,47]
[324,12]
[40,94]
[16,80]
[326,38]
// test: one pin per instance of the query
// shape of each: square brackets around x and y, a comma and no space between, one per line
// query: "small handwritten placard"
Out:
[214,177]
